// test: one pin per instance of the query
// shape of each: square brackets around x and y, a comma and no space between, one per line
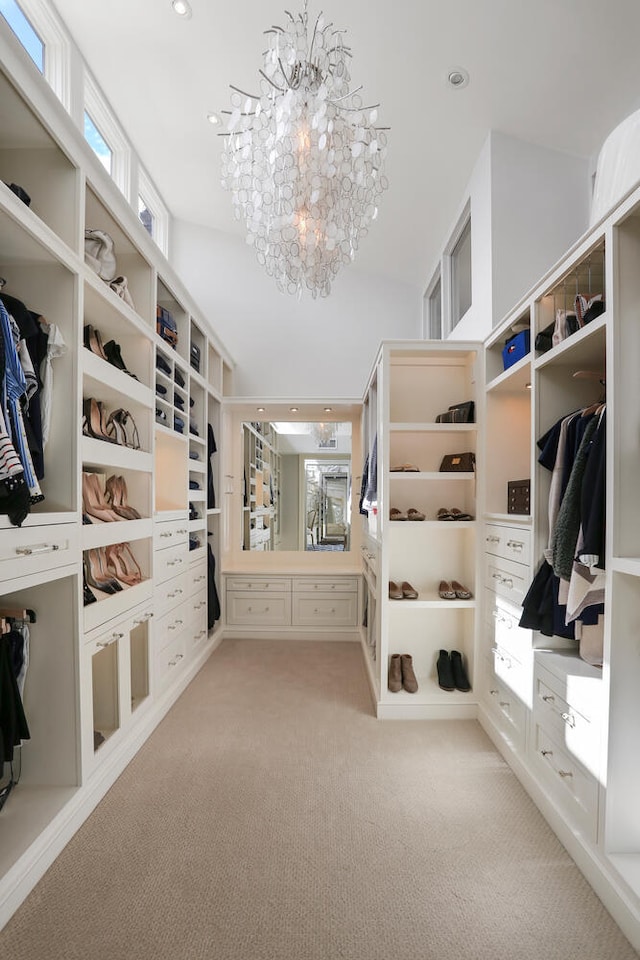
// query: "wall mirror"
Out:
[297,486]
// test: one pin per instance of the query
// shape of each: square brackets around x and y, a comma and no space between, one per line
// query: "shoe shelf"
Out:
[32,157]
[118,531]
[429,600]
[130,261]
[103,611]
[111,385]
[114,456]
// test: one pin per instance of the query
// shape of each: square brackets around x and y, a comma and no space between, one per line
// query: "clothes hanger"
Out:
[18,614]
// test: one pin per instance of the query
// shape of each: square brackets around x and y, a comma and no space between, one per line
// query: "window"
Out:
[24,31]
[98,144]
[461,275]
[152,212]
[434,312]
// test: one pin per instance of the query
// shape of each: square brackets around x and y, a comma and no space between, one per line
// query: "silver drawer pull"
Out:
[200,605]
[175,593]
[549,699]
[508,582]
[182,531]
[496,576]
[517,545]
[177,659]
[569,719]
[173,563]
[565,773]
[493,539]
[166,533]
[494,693]
[41,548]
[505,703]
[198,579]
[107,643]
[547,753]
[201,634]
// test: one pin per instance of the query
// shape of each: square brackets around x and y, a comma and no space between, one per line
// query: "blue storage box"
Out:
[516,348]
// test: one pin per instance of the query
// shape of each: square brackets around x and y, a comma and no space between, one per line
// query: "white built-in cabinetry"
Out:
[410,385]
[100,676]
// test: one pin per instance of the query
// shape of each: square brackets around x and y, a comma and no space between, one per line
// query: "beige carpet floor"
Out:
[271,817]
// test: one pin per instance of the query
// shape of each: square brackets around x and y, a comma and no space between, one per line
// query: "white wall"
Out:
[284,347]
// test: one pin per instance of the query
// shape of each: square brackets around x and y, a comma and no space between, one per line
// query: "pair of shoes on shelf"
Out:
[411,514]
[452,590]
[401,673]
[109,351]
[405,468]
[451,671]
[403,591]
[107,570]
[452,514]
[117,496]
[162,364]
[118,427]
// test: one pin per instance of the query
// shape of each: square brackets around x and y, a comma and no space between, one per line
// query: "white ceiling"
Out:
[560,73]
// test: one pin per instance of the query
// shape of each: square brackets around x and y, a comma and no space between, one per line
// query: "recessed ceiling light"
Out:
[182,8]
[458,78]
[328,409]
[260,409]
[214,119]
[293,409]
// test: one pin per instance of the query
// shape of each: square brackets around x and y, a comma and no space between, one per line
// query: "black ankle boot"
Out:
[460,678]
[445,671]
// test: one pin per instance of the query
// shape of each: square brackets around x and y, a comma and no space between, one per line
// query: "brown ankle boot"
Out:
[409,681]
[395,673]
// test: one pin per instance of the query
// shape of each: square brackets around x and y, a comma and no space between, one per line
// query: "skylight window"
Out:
[97,142]
[24,31]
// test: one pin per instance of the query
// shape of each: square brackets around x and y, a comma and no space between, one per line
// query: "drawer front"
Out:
[197,579]
[259,609]
[169,661]
[261,584]
[509,712]
[326,585]
[579,735]
[517,677]
[198,605]
[507,579]
[510,543]
[28,550]
[169,626]
[576,790]
[503,620]
[168,533]
[171,593]
[324,611]
[170,563]
[197,629]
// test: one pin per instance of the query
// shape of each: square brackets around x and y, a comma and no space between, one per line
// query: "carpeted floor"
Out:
[271,817]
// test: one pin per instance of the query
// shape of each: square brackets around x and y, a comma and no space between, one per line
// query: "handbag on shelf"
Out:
[121,286]
[458,463]
[99,253]
[458,413]
[166,326]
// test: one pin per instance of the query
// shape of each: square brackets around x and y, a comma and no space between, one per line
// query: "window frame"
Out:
[56,47]
[102,116]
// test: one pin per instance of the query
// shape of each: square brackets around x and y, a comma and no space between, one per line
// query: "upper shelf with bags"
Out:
[114,257]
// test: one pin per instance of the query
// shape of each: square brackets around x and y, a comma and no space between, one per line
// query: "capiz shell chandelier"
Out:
[304,160]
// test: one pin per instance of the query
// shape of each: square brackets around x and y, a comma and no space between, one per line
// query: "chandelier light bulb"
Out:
[303,158]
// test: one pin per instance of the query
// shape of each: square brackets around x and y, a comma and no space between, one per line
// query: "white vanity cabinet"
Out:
[299,605]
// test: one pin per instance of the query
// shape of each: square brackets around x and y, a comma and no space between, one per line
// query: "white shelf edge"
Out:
[434,427]
[512,376]
[433,604]
[629,565]
[570,343]
[114,455]
[432,475]
[104,534]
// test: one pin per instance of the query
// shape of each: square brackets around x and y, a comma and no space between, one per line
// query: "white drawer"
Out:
[577,734]
[198,605]
[503,620]
[171,593]
[197,579]
[262,584]
[574,789]
[168,533]
[169,661]
[510,543]
[170,563]
[509,712]
[259,609]
[197,627]
[509,580]
[517,676]
[28,550]
[328,585]
[324,610]
[169,626]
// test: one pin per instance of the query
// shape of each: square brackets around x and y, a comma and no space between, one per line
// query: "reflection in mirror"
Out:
[297,486]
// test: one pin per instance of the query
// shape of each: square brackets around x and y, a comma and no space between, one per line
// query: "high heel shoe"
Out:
[114,356]
[93,341]
[93,422]
[122,564]
[96,573]
[123,426]
[93,500]
[116,493]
